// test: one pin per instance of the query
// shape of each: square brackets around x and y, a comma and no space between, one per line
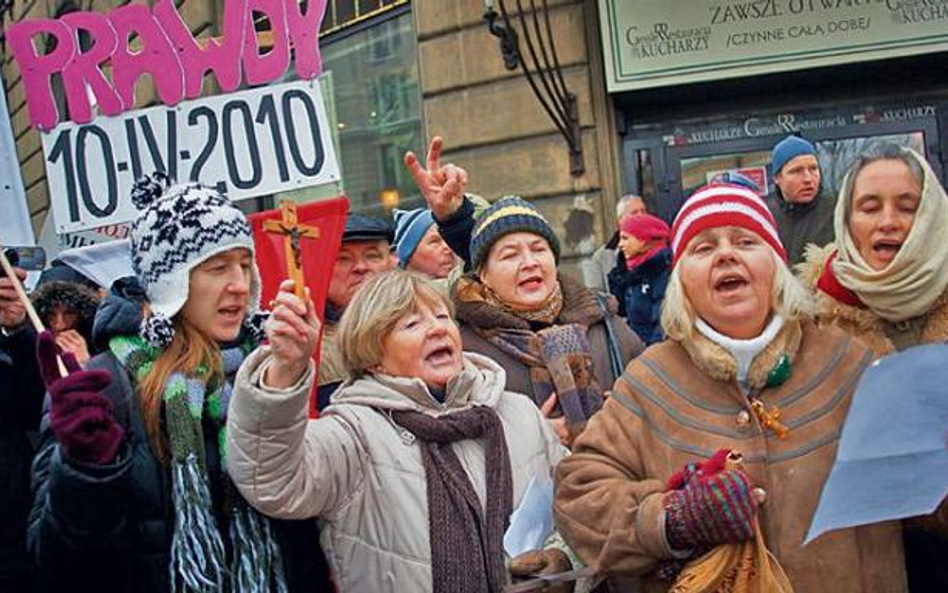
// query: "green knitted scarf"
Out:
[199,559]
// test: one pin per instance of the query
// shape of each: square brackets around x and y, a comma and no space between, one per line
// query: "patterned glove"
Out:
[709,505]
[79,416]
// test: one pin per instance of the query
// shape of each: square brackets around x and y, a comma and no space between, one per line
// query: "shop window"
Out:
[377,107]
[346,13]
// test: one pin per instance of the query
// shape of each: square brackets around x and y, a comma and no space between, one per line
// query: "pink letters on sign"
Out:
[156,57]
[223,58]
[168,52]
[38,69]
[83,69]
[260,69]
[304,33]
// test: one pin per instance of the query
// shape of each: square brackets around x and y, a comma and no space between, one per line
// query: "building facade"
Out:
[672,92]
[667,94]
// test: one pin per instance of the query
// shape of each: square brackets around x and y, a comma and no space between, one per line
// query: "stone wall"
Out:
[495,127]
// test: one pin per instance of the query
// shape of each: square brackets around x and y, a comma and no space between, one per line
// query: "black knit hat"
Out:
[510,214]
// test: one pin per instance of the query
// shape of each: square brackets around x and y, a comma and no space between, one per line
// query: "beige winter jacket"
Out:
[678,403]
[362,474]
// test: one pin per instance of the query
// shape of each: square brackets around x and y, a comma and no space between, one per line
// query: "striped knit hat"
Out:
[510,214]
[720,205]
[410,228]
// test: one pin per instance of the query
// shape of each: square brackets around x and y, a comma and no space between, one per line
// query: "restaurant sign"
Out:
[655,43]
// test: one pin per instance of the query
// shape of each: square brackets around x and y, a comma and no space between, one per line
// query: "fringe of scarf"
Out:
[199,562]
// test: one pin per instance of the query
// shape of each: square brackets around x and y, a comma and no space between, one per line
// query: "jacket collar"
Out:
[717,362]
[796,208]
[579,306]
[480,382]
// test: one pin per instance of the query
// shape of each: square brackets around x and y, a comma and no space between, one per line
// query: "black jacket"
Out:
[640,293]
[801,224]
[21,400]
[109,528]
[457,229]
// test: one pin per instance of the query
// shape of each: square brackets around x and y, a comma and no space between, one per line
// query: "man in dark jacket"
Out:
[803,216]
[21,400]
[365,251]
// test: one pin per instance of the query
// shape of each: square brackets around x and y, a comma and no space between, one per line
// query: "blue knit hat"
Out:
[736,178]
[410,228]
[788,149]
[510,214]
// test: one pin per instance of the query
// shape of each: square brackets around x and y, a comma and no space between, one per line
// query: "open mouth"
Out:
[730,283]
[232,313]
[440,355]
[886,249]
[531,283]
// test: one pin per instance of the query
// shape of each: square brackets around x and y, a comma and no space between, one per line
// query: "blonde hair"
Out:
[190,350]
[375,309]
[789,298]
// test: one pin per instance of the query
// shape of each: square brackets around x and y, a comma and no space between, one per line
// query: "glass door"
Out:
[665,169]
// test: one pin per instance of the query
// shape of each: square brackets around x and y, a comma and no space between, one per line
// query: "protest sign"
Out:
[15,228]
[256,142]
[133,40]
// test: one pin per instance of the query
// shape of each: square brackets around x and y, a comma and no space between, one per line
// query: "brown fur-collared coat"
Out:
[678,403]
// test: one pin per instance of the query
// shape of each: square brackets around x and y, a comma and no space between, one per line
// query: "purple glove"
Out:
[713,506]
[80,416]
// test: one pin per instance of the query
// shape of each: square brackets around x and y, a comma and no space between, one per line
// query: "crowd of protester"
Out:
[686,399]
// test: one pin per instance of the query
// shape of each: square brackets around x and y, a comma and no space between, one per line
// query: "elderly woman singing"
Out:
[744,369]
[416,466]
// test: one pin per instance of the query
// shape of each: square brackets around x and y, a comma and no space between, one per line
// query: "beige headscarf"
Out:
[910,284]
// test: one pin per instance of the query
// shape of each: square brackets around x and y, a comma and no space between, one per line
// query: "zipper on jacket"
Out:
[403,433]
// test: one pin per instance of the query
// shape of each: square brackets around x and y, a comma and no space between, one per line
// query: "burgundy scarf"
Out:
[467,550]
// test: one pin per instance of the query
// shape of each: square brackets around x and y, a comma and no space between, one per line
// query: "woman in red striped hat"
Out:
[744,369]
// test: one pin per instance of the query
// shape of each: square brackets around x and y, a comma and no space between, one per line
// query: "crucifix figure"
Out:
[293,233]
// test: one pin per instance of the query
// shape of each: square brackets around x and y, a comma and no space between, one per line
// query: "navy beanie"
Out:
[410,228]
[510,214]
[788,149]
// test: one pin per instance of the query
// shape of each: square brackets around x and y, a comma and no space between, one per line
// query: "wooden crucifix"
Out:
[293,233]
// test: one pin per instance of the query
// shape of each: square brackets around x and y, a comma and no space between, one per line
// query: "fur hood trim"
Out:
[717,362]
[71,296]
[579,306]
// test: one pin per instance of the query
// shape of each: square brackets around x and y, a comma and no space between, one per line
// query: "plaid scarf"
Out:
[199,561]
[560,362]
[559,356]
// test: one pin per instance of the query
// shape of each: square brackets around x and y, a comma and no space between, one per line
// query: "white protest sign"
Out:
[247,144]
[15,227]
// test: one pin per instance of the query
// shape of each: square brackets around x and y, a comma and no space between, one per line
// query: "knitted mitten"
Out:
[710,506]
[79,415]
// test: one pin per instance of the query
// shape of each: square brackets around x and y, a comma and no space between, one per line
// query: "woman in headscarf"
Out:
[418,463]
[885,281]
[639,279]
[744,369]
[130,492]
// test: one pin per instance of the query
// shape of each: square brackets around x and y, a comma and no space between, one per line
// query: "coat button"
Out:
[743,419]
[759,494]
